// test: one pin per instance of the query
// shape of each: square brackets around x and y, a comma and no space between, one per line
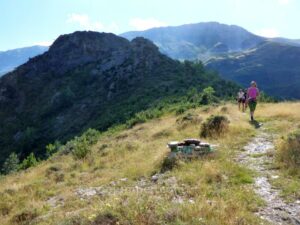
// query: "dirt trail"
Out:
[258,155]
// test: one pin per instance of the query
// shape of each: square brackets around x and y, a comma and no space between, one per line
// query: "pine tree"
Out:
[11,164]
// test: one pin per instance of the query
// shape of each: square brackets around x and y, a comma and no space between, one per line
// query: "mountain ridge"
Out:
[199,39]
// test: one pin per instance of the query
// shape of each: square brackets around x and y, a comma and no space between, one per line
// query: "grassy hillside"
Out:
[91,80]
[112,185]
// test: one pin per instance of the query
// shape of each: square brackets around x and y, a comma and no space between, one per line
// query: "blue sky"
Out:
[30,22]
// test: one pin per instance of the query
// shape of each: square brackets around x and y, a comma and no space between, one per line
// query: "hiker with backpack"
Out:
[252,95]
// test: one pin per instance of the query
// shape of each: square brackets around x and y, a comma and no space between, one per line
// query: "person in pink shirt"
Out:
[252,94]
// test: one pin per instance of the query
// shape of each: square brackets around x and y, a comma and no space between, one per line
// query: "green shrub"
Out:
[81,147]
[67,148]
[11,164]
[288,153]
[30,161]
[193,96]
[207,96]
[52,148]
[92,136]
[181,109]
[214,126]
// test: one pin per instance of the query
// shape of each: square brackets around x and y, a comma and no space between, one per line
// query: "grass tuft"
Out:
[214,126]
[288,153]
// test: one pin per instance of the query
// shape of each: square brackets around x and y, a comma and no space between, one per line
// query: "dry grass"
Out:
[217,186]
[279,111]
[289,151]
[281,120]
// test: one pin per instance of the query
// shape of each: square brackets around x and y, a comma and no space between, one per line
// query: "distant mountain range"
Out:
[13,58]
[90,80]
[198,41]
[236,53]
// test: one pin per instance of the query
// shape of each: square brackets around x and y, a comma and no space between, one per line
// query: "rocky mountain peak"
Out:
[87,42]
[76,49]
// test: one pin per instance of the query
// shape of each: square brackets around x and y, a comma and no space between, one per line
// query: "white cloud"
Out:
[85,22]
[144,24]
[268,32]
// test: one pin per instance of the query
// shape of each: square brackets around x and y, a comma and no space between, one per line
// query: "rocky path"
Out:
[258,155]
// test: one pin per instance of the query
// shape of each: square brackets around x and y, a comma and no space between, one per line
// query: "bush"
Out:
[214,126]
[92,136]
[30,161]
[289,151]
[180,110]
[52,148]
[81,148]
[11,164]
[207,96]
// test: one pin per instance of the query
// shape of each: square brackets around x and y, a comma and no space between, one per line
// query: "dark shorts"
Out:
[241,100]
[252,105]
